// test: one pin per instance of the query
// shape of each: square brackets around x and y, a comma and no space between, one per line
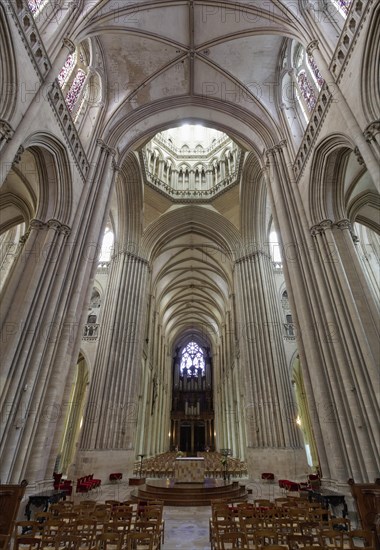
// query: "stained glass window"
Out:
[75,89]
[306,90]
[343,5]
[36,5]
[316,72]
[192,360]
[65,72]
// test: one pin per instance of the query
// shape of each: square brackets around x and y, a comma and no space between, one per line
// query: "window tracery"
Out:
[75,89]
[192,360]
[343,5]
[307,90]
[67,69]
[315,71]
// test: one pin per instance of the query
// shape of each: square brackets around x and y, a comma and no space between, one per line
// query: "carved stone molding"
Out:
[69,44]
[18,155]
[253,255]
[37,224]
[102,144]
[321,227]
[372,130]
[359,156]
[131,257]
[344,224]
[314,45]
[24,237]
[6,131]
[58,226]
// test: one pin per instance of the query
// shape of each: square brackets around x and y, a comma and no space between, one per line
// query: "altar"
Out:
[189,470]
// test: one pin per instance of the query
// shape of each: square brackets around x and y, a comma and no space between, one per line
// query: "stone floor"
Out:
[186,528]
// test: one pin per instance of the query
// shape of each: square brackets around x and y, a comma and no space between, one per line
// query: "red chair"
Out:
[83,486]
[62,485]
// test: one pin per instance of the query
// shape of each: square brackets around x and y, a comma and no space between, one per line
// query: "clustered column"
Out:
[111,417]
[269,404]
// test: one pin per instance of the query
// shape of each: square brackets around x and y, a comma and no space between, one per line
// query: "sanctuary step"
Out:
[190,494]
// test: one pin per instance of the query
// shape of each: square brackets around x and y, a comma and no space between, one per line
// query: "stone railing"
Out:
[277,267]
[103,268]
[30,36]
[348,38]
[67,125]
[312,130]
[184,195]
[90,332]
[352,27]
[189,154]
[290,331]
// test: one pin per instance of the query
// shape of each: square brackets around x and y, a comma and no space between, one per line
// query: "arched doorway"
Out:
[192,416]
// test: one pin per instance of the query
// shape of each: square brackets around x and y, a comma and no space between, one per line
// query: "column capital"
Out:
[371,130]
[314,45]
[102,144]
[6,131]
[321,227]
[69,44]
[344,224]
[37,224]
[58,226]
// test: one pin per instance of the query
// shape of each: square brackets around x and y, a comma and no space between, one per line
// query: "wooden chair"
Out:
[27,528]
[362,537]
[24,542]
[141,541]
[296,541]
[109,541]
[340,524]
[68,541]
[218,527]
[51,530]
[231,540]
[331,539]
[263,537]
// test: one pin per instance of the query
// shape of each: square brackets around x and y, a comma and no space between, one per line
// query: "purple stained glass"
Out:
[75,89]
[344,5]
[306,90]
[66,69]
[316,71]
[35,5]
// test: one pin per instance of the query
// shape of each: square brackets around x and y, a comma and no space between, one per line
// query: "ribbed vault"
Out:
[191,250]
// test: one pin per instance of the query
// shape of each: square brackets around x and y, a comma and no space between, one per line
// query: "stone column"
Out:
[350,330]
[270,409]
[28,326]
[335,356]
[111,415]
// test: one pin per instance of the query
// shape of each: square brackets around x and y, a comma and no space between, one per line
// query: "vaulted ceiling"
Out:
[205,61]
[194,53]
